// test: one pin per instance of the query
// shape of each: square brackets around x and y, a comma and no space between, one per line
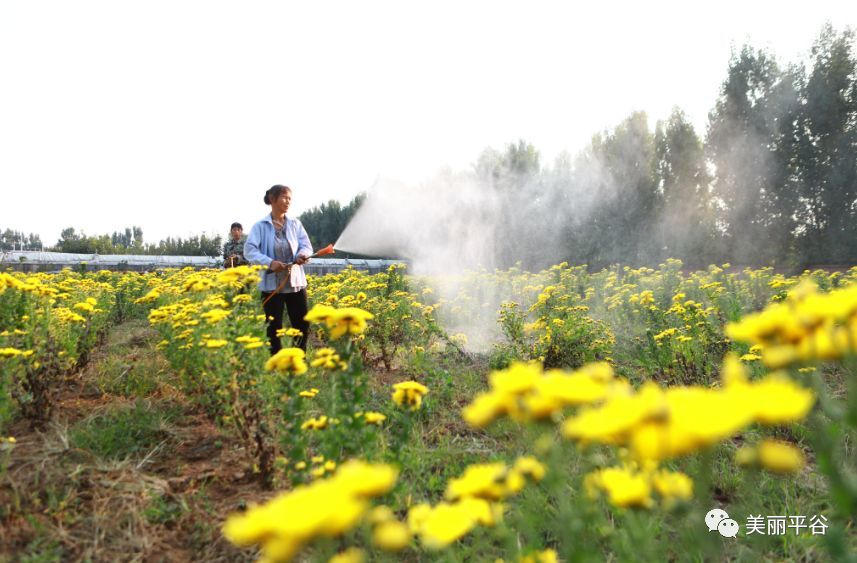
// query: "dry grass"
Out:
[161,502]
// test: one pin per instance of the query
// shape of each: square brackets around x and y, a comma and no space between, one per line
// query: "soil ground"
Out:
[116,477]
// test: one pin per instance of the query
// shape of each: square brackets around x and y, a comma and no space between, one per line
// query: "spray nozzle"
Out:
[324,251]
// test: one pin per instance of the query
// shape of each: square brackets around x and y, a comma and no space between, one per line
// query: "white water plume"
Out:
[451,225]
[447,224]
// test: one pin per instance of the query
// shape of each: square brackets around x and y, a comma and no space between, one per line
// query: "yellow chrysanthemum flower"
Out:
[625,488]
[484,480]
[9,352]
[288,360]
[445,524]
[391,536]
[780,457]
[380,514]
[319,423]
[215,315]
[409,393]
[672,485]
[544,556]
[374,418]
[319,313]
[325,508]
[327,358]
[350,555]
[348,320]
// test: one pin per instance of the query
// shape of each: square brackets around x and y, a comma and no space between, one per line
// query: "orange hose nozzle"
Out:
[324,251]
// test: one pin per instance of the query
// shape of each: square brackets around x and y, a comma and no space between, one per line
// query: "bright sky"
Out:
[178,115]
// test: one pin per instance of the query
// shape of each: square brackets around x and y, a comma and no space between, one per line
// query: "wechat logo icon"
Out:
[719,520]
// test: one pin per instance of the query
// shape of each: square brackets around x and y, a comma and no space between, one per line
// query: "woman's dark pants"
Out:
[296,305]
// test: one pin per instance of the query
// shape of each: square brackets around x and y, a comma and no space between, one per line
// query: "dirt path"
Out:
[127,470]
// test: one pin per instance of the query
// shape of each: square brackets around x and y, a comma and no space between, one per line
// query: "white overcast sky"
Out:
[178,115]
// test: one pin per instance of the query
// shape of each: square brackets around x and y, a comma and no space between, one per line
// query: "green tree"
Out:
[740,145]
[686,222]
[325,223]
[74,242]
[830,164]
[617,169]
[514,178]
[18,240]
[518,165]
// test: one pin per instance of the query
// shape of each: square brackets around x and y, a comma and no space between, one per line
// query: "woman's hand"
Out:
[276,266]
[301,260]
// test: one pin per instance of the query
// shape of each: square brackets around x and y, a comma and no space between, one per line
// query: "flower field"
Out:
[563,415]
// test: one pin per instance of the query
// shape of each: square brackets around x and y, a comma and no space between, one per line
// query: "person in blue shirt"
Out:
[281,244]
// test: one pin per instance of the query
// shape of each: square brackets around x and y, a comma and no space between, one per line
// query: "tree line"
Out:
[324,224]
[772,181]
[130,241]
[17,240]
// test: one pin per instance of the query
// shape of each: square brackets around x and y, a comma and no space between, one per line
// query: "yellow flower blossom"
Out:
[484,409]
[614,420]
[153,295]
[780,457]
[319,423]
[530,466]
[672,485]
[777,399]
[664,334]
[319,313]
[485,480]
[544,556]
[347,320]
[324,508]
[380,514]
[327,358]
[625,488]
[374,418]
[85,306]
[9,352]
[350,555]
[409,393]
[807,326]
[215,315]
[391,536]
[445,524]
[288,360]
[733,371]
[523,392]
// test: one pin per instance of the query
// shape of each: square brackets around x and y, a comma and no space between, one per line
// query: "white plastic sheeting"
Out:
[321,266]
[35,260]
[96,261]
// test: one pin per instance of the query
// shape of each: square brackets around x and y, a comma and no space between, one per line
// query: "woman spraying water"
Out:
[282,245]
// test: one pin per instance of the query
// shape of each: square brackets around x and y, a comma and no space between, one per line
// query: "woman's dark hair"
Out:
[234,225]
[274,192]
